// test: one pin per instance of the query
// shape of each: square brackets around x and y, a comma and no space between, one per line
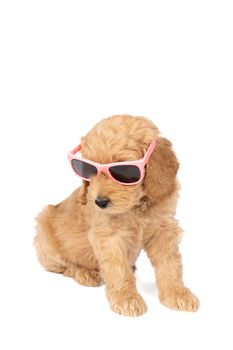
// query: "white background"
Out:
[64,65]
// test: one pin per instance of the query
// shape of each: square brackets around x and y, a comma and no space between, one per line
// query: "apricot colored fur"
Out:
[90,244]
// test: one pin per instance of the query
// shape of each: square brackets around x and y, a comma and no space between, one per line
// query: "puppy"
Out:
[98,232]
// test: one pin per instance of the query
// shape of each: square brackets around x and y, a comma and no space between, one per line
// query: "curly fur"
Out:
[90,244]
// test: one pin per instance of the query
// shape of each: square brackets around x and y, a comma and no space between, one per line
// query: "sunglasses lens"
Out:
[125,173]
[83,169]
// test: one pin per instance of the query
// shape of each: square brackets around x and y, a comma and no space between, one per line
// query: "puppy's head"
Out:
[124,138]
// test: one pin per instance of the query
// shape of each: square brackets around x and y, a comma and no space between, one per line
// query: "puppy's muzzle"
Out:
[102,202]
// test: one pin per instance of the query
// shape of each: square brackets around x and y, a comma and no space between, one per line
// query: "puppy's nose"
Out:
[102,202]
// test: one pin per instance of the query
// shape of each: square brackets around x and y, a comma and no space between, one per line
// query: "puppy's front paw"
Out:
[180,298]
[132,305]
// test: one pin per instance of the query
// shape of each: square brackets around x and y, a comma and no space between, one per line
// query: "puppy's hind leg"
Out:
[48,252]
[47,257]
[45,243]
[54,263]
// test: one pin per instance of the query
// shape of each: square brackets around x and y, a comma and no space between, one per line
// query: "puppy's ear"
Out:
[83,193]
[161,170]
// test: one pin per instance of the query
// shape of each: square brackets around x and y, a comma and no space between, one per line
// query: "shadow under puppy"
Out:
[98,232]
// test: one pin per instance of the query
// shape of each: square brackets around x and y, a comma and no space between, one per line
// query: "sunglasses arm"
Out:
[76,150]
[149,152]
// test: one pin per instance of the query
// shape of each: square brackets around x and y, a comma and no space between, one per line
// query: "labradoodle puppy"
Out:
[127,202]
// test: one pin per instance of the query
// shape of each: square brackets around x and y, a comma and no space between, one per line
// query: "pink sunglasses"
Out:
[124,173]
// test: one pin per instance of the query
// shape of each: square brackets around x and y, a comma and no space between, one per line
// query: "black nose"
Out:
[102,202]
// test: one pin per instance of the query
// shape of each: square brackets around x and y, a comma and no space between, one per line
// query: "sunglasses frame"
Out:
[104,168]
